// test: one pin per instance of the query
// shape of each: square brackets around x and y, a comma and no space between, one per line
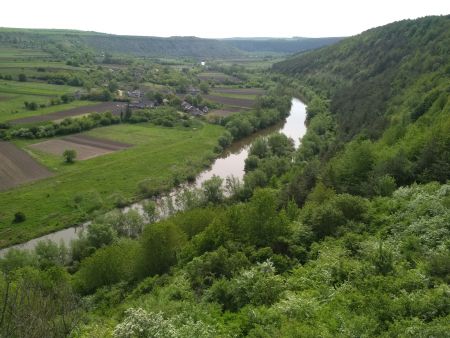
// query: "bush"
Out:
[107,266]
[69,155]
[160,243]
[19,217]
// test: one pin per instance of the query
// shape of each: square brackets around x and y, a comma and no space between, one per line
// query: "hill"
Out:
[69,40]
[362,75]
[346,236]
[280,45]
[55,40]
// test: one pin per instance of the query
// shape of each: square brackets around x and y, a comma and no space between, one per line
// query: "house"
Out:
[186,106]
[194,111]
[135,93]
[142,104]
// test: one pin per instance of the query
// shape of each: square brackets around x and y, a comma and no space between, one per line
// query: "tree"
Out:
[160,243]
[259,148]
[213,190]
[22,77]
[107,266]
[204,87]
[69,155]
[280,144]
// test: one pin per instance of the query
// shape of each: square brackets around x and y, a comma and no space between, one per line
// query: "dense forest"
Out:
[71,41]
[346,236]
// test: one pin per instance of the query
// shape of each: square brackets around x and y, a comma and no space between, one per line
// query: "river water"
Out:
[230,163]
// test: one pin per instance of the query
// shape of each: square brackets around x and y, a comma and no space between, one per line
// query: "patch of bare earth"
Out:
[86,147]
[17,167]
[231,101]
[242,91]
[217,77]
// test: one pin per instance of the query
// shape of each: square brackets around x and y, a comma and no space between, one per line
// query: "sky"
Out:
[216,19]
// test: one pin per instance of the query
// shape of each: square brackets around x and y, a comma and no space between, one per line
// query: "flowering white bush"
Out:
[142,324]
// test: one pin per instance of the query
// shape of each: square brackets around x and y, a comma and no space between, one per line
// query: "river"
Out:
[230,163]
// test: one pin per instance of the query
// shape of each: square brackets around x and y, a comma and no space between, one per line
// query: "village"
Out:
[138,100]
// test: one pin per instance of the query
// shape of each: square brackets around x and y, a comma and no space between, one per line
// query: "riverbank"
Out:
[79,191]
[231,163]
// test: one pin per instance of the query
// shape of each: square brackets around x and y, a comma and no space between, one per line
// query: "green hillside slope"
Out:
[365,76]
[280,45]
[75,41]
[346,236]
[107,43]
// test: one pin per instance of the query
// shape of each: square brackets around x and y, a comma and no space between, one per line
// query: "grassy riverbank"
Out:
[159,155]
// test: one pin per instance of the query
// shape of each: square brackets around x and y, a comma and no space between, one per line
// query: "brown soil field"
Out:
[243,91]
[86,147]
[221,112]
[231,101]
[17,167]
[114,107]
[97,142]
[217,77]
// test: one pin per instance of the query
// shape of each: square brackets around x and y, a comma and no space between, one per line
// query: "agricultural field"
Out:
[14,94]
[86,147]
[80,108]
[251,62]
[217,77]
[77,190]
[17,167]
[233,99]
[239,91]
[14,54]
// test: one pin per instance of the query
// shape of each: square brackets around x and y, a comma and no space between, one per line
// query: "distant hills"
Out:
[280,45]
[67,40]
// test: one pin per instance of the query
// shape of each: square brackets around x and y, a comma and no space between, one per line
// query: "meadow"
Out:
[13,96]
[78,190]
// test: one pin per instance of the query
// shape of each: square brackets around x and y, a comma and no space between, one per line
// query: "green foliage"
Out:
[213,190]
[38,303]
[362,74]
[258,285]
[67,126]
[19,217]
[160,243]
[69,155]
[107,266]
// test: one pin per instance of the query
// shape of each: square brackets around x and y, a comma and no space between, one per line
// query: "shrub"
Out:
[19,217]
[69,155]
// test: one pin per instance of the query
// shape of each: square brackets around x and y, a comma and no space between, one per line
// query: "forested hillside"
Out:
[346,236]
[71,41]
[61,40]
[407,60]
[279,45]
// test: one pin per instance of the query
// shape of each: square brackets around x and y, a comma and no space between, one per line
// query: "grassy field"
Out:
[235,95]
[89,186]
[13,95]
[217,77]
[16,53]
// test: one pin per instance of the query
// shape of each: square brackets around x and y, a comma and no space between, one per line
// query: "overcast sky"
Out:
[216,19]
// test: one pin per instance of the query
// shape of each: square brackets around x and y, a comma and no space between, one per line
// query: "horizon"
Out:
[175,36]
[236,20]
